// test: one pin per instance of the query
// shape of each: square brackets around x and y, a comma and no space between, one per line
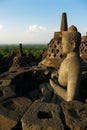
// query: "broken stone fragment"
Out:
[11,112]
[75,114]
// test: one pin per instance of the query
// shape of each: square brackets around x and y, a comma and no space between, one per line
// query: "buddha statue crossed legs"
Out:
[66,81]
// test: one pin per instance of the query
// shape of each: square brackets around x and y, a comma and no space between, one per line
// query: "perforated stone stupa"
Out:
[21,59]
[54,52]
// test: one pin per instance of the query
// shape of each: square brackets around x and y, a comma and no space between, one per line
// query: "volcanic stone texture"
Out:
[11,112]
[42,116]
[75,115]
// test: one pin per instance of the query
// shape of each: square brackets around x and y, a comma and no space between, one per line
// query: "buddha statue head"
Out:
[71,40]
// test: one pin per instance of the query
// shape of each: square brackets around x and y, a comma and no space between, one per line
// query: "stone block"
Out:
[42,115]
[11,112]
[75,115]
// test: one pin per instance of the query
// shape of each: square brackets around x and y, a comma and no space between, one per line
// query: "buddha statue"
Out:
[66,81]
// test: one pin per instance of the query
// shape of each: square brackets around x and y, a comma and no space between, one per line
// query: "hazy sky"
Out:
[35,21]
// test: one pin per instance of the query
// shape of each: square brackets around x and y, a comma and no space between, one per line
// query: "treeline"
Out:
[35,49]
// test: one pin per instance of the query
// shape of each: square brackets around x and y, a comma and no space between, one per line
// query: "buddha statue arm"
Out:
[58,90]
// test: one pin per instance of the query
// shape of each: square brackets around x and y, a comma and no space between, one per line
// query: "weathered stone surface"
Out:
[11,112]
[44,116]
[75,115]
